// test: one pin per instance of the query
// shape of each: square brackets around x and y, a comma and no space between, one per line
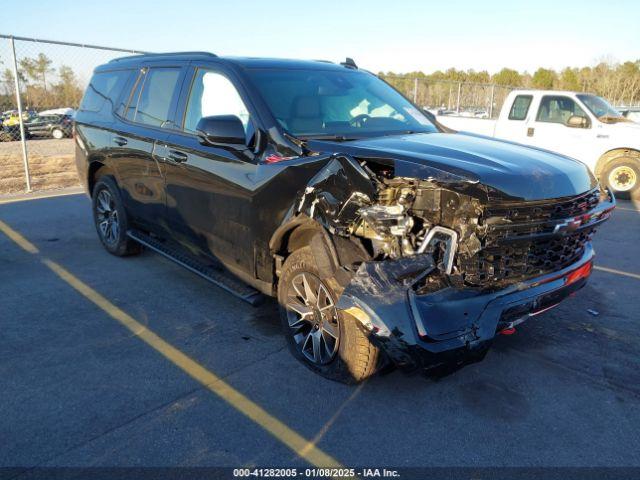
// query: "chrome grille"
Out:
[521,240]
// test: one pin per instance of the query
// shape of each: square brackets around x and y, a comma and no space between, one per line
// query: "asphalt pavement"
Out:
[81,388]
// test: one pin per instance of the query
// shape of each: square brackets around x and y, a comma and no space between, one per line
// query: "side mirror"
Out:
[220,130]
[577,121]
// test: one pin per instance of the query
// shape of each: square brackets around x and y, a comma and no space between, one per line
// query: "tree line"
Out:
[619,83]
[41,86]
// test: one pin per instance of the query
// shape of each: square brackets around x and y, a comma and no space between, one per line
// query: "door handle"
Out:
[121,141]
[177,156]
[530,132]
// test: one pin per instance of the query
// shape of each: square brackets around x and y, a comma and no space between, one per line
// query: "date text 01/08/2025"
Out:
[316,473]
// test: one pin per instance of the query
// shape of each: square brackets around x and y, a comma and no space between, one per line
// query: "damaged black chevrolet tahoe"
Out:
[386,238]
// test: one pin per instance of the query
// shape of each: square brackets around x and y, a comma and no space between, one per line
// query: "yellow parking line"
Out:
[300,445]
[618,272]
[17,238]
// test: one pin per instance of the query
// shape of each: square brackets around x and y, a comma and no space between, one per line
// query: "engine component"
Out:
[442,235]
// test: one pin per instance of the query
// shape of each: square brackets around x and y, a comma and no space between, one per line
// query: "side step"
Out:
[215,276]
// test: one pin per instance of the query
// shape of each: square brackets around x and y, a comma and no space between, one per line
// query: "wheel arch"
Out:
[293,235]
[332,252]
[97,168]
[609,155]
[303,231]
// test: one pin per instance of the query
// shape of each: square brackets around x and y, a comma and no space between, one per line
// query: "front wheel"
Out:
[57,134]
[622,175]
[322,337]
[111,220]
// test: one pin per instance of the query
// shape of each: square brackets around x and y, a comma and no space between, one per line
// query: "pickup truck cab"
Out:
[579,125]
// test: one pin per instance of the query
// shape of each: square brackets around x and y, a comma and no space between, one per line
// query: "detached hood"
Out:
[515,170]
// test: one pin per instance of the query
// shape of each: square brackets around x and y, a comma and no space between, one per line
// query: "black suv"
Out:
[386,238]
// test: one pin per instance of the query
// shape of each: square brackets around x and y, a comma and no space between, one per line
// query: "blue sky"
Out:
[380,35]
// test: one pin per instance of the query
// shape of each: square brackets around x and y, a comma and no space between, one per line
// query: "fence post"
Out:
[459,92]
[415,90]
[493,93]
[25,158]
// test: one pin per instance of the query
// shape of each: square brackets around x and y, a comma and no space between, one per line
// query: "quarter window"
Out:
[558,109]
[213,94]
[104,86]
[520,107]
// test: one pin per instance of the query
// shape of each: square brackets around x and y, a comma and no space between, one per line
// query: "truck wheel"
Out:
[57,134]
[111,220]
[622,175]
[327,341]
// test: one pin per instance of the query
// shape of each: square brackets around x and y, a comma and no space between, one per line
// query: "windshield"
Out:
[600,108]
[336,104]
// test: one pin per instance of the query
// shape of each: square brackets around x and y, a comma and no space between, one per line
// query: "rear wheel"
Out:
[111,220]
[325,339]
[57,134]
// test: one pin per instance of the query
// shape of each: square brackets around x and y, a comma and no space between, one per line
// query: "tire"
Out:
[57,134]
[110,219]
[622,175]
[354,358]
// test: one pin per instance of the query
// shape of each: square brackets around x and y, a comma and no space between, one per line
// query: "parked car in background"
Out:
[440,111]
[384,237]
[10,118]
[579,125]
[50,126]
[473,113]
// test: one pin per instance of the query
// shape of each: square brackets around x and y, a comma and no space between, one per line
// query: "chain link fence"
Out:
[481,100]
[41,85]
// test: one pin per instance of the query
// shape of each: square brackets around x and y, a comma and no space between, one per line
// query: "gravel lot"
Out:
[51,163]
[80,389]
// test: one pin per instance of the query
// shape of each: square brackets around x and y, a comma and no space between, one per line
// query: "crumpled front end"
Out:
[434,267]
[449,324]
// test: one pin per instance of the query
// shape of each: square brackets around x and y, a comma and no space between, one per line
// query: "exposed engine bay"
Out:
[414,216]
[475,238]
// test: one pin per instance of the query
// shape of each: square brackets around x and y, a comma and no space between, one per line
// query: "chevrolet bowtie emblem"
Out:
[568,225]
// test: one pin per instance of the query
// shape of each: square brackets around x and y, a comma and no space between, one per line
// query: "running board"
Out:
[215,276]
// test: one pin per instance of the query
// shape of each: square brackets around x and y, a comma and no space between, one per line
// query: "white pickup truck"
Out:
[578,125]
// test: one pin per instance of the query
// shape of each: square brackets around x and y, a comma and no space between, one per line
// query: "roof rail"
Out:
[168,54]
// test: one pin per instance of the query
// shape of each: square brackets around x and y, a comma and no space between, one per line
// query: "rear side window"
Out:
[153,96]
[520,107]
[104,87]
